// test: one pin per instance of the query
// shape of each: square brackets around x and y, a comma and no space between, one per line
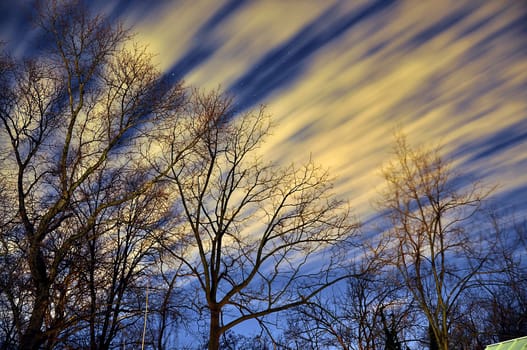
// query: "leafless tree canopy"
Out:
[111,168]
[434,242]
[258,238]
[73,122]
[441,273]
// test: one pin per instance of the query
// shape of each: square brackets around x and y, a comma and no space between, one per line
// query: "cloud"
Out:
[340,77]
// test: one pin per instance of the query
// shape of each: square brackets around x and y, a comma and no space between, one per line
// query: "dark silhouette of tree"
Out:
[503,296]
[390,333]
[114,270]
[372,310]
[432,340]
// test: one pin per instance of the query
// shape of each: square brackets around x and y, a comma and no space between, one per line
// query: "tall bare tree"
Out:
[437,248]
[258,239]
[75,122]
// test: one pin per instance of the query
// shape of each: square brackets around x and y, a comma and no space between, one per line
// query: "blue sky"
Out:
[340,76]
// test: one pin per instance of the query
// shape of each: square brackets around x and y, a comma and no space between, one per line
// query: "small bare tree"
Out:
[502,300]
[113,272]
[255,239]
[436,247]
[372,312]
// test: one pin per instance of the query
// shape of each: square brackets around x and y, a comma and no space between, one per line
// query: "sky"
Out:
[340,77]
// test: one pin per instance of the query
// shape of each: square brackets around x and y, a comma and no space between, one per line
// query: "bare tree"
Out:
[437,248]
[75,121]
[113,273]
[372,312]
[502,299]
[496,310]
[170,304]
[258,239]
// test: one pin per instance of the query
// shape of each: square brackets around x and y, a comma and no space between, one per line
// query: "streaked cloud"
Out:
[339,77]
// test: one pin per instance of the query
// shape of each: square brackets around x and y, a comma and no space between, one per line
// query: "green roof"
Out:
[513,344]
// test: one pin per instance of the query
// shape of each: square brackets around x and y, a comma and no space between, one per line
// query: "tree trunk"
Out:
[33,337]
[215,328]
[434,344]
